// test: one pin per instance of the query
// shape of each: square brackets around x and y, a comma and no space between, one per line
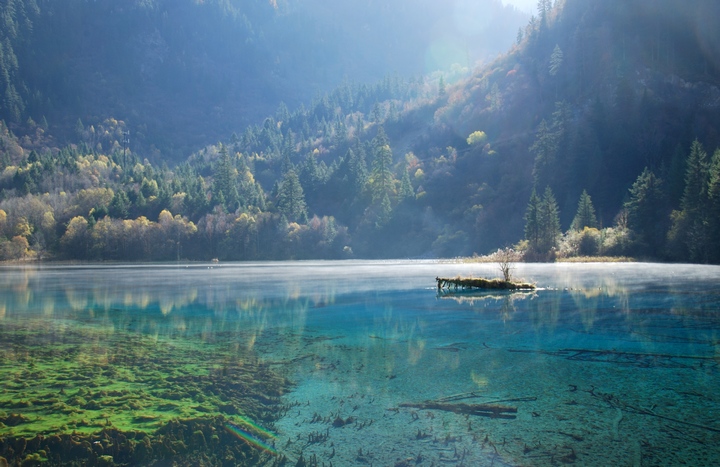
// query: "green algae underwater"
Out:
[132,399]
[358,363]
[100,388]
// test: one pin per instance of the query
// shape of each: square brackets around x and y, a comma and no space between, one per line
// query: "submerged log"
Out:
[481,283]
[483,410]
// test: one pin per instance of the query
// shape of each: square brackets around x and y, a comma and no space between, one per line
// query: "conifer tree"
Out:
[382,176]
[691,231]
[290,198]
[714,208]
[646,212]
[225,181]
[694,198]
[406,189]
[384,213]
[549,220]
[532,221]
[556,60]
[585,216]
[695,203]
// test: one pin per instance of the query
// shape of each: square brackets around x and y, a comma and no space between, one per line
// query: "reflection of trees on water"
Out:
[202,303]
[155,304]
[502,301]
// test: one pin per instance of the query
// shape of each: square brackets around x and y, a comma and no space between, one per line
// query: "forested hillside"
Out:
[594,134]
[183,73]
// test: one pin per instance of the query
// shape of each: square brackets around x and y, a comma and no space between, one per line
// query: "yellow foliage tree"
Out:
[3,221]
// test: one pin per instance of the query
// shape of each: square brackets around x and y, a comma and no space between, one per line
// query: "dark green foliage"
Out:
[542,223]
[120,206]
[549,220]
[381,177]
[225,188]
[713,253]
[291,199]
[532,221]
[585,216]
[406,189]
[647,213]
[694,232]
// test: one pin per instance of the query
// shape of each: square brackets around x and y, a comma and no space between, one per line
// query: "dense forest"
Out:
[595,134]
[185,73]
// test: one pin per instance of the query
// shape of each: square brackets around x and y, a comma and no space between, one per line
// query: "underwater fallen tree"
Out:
[483,410]
[481,283]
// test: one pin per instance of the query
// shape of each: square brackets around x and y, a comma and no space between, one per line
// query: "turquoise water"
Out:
[605,364]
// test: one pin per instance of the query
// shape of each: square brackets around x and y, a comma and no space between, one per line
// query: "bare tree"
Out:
[506,259]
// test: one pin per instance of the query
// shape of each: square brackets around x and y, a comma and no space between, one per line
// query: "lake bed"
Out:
[361,363]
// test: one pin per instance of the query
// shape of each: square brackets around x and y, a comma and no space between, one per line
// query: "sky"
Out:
[527,6]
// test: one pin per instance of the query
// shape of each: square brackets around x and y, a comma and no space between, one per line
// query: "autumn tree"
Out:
[75,241]
[175,231]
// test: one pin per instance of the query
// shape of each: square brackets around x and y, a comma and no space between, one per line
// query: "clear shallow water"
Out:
[608,364]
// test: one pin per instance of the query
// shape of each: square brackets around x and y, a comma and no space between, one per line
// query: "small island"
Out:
[505,258]
[481,283]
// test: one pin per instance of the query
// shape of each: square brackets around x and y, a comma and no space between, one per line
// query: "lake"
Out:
[359,363]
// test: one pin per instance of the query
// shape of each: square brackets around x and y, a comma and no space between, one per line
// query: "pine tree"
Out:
[225,181]
[290,198]
[406,189]
[694,198]
[544,148]
[556,60]
[382,176]
[585,216]
[714,208]
[357,170]
[695,203]
[384,213]
[646,212]
[532,221]
[691,231]
[549,220]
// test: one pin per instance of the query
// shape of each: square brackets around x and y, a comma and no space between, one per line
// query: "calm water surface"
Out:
[605,364]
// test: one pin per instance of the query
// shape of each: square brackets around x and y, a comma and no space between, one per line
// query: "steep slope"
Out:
[182,74]
[595,92]
[592,94]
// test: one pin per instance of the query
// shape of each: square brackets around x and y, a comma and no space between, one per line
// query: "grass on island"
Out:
[481,283]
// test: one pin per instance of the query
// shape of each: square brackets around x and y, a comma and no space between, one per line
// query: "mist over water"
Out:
[603,364]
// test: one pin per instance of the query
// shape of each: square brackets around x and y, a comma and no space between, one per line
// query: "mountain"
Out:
[184,73]
[586,137]
[594,93]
